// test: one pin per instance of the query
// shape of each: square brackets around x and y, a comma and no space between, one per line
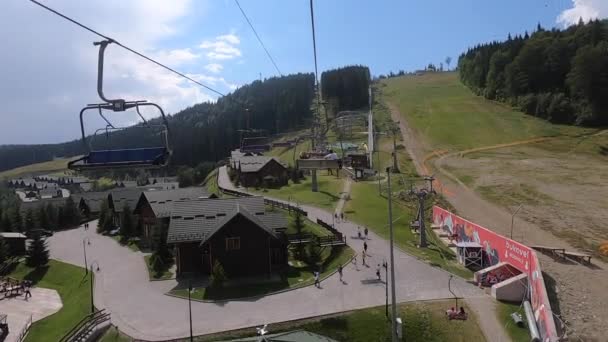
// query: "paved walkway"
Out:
[140,309]
[43,303]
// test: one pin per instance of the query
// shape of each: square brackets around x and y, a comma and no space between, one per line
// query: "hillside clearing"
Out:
[53,166]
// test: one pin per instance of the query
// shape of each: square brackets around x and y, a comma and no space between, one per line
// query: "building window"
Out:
[233,243]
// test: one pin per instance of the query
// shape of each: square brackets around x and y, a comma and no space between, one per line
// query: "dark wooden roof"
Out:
[161,201]
[256,163]
[199,220]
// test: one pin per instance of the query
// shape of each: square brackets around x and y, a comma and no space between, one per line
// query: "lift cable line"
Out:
[126,47]
[258,37]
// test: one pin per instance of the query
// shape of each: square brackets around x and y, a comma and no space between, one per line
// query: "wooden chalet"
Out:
[237,232]
[154,208]
[256,171]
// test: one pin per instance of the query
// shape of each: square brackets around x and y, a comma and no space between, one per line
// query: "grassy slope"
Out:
[517,334]
[450,116]
[327,196]
[366,207]
[75,292]
[59,164]
[422,322]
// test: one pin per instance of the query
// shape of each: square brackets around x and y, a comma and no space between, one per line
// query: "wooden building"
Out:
[261,171]
[154,208]
[15,242]
[237,232]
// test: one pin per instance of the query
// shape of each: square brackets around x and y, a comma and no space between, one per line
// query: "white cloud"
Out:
[585,9]
[176,57]
[64,78]
[222,47]
[214,67]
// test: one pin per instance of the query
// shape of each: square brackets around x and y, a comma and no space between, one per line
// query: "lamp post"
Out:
[513,218]
[385,265]
[190,309]
[392,256]
[85,242]
[92,287]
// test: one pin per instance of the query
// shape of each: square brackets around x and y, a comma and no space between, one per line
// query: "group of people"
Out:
[452,313]
[10,286]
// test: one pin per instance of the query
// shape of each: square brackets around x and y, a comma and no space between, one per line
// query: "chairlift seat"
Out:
[140,157]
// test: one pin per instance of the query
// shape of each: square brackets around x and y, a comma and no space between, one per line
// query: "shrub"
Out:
[527,103]
[218,275]
[37,252]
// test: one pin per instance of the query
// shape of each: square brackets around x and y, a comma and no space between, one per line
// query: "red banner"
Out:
[498,248]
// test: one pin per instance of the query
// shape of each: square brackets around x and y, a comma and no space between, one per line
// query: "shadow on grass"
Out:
[330,195]
[36,274]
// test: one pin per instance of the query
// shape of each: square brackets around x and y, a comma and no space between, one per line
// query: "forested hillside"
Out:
[558,75]
[346,88]
[203,132]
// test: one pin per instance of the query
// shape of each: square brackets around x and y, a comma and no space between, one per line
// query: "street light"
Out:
[513,218]
[390,225]
[92,287]
[86,241]
[190,309]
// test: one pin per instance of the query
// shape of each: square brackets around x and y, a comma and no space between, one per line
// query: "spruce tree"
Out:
[127,224]
[29,222]
[4,250]
[103,214]
[37,252]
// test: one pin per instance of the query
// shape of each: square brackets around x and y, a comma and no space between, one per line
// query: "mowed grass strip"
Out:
[422,321]
[75,291]
[448,115]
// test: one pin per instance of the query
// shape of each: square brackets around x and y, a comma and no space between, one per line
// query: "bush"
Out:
[313,253]
[218,275]
[527,104]
[560,110]
[542,105]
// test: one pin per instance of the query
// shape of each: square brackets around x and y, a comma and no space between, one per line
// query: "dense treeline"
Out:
[346,88]
[203,132]
[558,75]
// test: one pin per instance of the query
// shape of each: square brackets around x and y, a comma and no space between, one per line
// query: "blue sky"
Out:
[48,65]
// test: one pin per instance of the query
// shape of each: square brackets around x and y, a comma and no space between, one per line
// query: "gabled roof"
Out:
[161,201]
[199,220]
[256,163]
[92,199]
[120,197]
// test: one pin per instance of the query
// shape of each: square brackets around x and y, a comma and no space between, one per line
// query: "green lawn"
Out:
[423,321]
[166,274]
[74,289]
[298,275]
[328,195]
[367,208]
[450,116]
[210,183]
[517,334]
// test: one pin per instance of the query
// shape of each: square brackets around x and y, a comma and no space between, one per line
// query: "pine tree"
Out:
[103,214]
[299,227]
[4,250]
[37,252]
[71,212]
[42,220]
[29,222]
[218,275]
[127,224]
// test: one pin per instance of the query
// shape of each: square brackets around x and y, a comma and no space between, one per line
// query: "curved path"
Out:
[140,309]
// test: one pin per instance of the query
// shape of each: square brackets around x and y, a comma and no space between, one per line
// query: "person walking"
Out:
[378,272]
[366,231]
[317,282]
[340,272]
[355,262]
[359,232]
[363,257]
[365,246]
[342,217]
[336,217]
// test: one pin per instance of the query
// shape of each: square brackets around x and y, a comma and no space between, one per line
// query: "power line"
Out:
[258,37]
[126,47]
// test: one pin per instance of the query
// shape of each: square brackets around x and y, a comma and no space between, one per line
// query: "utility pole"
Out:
[422,195]
[390,225]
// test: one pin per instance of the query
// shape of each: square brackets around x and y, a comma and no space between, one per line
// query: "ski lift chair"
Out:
[143,158]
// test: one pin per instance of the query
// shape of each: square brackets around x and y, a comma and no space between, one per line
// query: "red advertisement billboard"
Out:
[498,248]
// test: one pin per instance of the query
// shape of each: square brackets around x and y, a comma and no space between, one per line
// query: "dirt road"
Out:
[581,290]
